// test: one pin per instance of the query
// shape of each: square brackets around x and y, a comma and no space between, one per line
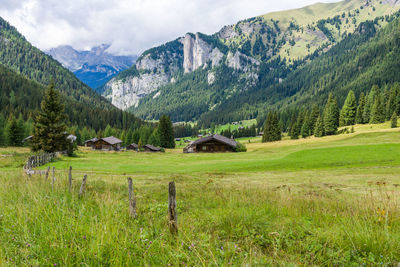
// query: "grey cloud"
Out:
[131,26]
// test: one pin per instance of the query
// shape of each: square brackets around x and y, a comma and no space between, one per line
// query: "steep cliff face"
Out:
[256,52]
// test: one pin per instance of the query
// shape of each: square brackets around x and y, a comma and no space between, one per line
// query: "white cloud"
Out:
[131,26]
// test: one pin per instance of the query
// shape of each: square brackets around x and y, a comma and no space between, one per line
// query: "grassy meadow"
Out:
[318,201]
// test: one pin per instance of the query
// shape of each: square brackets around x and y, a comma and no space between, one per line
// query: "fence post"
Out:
[54,177]
[70,178]
[173,217]
[47,173]
[132,199]
[82,190]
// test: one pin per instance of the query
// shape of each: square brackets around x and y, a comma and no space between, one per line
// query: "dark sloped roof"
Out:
[216,137]
[152,147]
[91,140]
[111,140]
[133,145]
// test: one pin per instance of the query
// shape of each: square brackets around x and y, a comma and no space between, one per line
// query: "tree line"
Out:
[376,106]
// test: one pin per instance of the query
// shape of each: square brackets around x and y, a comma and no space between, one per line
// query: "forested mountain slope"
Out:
[198,73]
[25,71]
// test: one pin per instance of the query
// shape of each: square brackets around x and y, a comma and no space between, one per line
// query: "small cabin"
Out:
[212,143]
[150,148]
[133,146]
[108,144]
[90,142]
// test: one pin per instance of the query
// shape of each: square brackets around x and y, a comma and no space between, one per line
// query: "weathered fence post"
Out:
[173,217]
[54,178]
[47,173]
[70,178]
[83,185]
[132,200]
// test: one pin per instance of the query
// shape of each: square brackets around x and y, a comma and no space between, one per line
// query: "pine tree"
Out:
[166,132]
[349,110]
[14,131]
[319,129]
[272,130]
[306,127]
[2,130]
[331,116]
[391,104]
[49,127]
[315,113]
[393,123]
[377,111]
[108,131]
[360,109]
[154,138]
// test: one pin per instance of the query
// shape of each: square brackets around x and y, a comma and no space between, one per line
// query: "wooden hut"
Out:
[133,147]
[107,143]
[212,143]
[90,142]
[150,148]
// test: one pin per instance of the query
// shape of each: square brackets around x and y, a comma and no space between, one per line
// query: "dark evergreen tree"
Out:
[331,116]
[306,127]
[393,120]
[272,130]
[391,103]
[49,127]
[319,129]
[2,130]
[14,132]
[166,132]
[360,109]
[154,138]
[349,110]
[377,111]
[315,113]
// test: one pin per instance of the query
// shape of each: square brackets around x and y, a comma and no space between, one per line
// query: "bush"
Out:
[240,147]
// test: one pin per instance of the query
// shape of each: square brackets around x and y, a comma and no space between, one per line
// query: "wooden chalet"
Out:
[212,143]
[150,148]
[107,143]
[90,142]
[133,146]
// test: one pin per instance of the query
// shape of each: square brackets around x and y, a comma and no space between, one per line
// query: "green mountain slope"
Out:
[24,67]
[360,61]
[199,76]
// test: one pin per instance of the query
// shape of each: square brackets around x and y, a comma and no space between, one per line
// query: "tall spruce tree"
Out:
[14,131]
[49,127]
[377,111]
[360,109]
[272,129]
[315,113]
[166,132]
[306,127]
[393,120]
[331,116]
[349,110]
[2,130]
[391,104]
[319,129]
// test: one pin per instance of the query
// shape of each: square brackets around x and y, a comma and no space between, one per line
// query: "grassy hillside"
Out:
[326,201]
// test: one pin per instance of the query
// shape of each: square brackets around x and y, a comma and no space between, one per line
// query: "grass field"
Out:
[327,201]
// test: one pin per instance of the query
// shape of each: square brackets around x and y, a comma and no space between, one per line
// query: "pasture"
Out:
[327,201]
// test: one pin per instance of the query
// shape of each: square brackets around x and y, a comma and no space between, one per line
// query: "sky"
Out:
[130,26]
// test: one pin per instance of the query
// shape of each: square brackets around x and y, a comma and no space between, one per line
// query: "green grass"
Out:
[328,201]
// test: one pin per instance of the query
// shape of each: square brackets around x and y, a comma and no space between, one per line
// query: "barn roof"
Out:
[91,140]
[216,137]
[151,147]
[111,140]
[133,145]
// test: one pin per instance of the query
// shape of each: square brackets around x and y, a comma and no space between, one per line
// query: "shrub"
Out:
[240,147]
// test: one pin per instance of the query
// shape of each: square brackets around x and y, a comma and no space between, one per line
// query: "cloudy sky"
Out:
[131,26]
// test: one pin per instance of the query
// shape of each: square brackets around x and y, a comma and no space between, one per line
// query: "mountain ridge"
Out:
[246,48]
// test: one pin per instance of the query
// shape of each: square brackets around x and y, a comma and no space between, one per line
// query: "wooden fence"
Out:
[39,160]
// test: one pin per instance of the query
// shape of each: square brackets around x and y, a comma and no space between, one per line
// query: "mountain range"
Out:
[94,67]
[195,76]
[25,71]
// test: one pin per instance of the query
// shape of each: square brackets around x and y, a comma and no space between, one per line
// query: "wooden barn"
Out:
[133,146]
[212,143]
[107,143]
[150,148]
[90,142]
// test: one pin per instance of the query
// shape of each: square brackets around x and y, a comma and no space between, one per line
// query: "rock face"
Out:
[125,94]
[197,53]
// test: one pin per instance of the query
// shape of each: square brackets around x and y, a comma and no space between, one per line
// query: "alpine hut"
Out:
[107,143]
[133,146]
[151,148]
[212,143]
